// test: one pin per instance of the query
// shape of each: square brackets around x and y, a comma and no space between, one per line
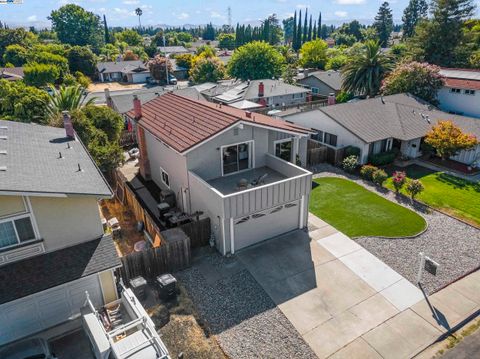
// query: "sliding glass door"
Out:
[236,157]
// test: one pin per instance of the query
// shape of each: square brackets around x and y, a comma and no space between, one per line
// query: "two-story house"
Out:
[236,167]
[52,242]
[461,92]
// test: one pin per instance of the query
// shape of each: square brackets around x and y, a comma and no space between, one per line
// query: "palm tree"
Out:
[66,98]
[139,13]
[364,73]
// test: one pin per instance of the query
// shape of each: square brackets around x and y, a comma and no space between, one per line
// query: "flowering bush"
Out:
[367,171]
[379,176]
[414,187]
[350,163]
[399,178]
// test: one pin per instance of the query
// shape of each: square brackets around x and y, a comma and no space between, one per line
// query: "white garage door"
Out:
[266,224]
[43,310]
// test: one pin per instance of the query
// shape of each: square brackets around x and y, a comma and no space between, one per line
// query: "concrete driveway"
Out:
[334,291]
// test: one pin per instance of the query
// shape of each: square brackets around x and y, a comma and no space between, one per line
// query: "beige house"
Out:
[52,242]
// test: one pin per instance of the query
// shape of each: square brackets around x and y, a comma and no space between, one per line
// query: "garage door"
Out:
[266,224]
[43,310]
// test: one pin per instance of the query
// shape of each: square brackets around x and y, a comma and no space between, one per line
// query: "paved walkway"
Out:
[397,321]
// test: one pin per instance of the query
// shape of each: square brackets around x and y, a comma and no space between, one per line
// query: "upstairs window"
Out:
[165,178]
[236,157]
[454,90]
[469,92]
[318,136]
[330,139]
[14,231]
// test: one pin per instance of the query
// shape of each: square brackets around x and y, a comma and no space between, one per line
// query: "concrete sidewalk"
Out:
[400,329]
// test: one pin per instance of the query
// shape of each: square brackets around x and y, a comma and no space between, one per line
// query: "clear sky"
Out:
[179,12]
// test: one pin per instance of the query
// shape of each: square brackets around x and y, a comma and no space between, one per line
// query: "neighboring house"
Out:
[380,124]
[11,73]
[172,50]
[125,71]
[461,93]
[52,242]
[322,83]
[330,41]
[209,155]
[268,93]
[180,73]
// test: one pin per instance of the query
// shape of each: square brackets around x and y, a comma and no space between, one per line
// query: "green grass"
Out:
[356,211]
[451,194]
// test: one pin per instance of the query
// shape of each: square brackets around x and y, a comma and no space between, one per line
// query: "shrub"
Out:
[382,159]
[367,171]
[399,178]
[379,176]
[352,150]
[40,75]
[350,163]
[414,187]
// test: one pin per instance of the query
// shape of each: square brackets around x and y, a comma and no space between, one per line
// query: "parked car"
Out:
[172,80]
[36,348]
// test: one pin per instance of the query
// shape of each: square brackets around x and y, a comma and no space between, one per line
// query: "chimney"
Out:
[108,98]
[248,114]
[305,73]
[331,99]
[143,161]
[67,124]
[261,89]
[137,107]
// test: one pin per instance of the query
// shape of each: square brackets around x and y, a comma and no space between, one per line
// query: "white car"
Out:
[27,349]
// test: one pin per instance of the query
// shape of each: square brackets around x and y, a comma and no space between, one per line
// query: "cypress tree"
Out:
[294,36]
[305,27]
[315,31]
[319,27]
[106,32]
[310,29]
[299,31]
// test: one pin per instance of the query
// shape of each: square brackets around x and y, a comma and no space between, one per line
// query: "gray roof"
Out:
[332,79]
[172,49]
[249,90]
[12,73]
[49,270]
[398,116]
[124,102]
[120,66]
[31,162]
[464,74]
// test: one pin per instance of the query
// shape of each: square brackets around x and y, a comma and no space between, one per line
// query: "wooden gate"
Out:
[316,153]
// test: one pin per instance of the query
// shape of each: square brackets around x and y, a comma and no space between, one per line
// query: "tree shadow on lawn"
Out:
[456,182]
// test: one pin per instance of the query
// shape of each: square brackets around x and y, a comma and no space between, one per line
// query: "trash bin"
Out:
[166,286]
[139,286]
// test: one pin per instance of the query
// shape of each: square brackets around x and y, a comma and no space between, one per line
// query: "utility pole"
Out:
[166,58]
[229,15]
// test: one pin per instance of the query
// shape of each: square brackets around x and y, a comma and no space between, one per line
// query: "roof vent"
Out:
[79,168]
[68,146]
[3,168]
[60,155]
[248,114]
[3,128]
[3,137]
[3,152]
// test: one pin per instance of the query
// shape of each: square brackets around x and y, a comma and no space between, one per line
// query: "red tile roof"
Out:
[182,122]
[462,84]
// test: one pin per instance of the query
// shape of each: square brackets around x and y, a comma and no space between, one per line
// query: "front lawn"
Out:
[357,212]
[450,194]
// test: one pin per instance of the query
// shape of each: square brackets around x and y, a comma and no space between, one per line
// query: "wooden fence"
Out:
[174,254]
[320,153]
[198,231]
[127,196]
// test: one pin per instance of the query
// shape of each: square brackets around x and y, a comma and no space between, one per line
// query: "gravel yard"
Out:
[451,243]
[236,309]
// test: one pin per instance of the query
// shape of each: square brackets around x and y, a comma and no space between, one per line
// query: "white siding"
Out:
[319,121]
[468,105]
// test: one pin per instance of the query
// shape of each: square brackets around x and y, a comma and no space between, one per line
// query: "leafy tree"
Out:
[343,96]
[158,66]
[448,139]
[40,75]
[66,98]
[414,188]
[289,28]
[209,32]
[441,40]
[48,58]
[184,60]
[364,73]
[255,60]
[15,37]
[336,62]
[419,79]
[17,55]
[81,58]
[289,74]
[131,37]
[413,13]
[272,30]
[384,23]
[287,53]
[105,119]
[19,102]
[342,38]
[209,69]
[109,52]
[76,26]
[313,54]
[226,41]
[129,55]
